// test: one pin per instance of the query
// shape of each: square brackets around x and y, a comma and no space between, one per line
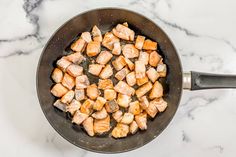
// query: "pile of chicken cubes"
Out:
[135,64]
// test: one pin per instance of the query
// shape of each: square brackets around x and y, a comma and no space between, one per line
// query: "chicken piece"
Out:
[134,108]
[140,69]
[116,48]
[161,69]
[141,81]
[57,75]
[99,103]
[79,45]
[75,58]
[129,51]
[92,91]
[68,81]
[74,70]
[63,63]
[152,74]
[117,115]
[106,72]
[141,120]
[123,32]
[123,100]
[154,58]
[73,107]
[79,117]
[109,40]
[126,24]
[143,89]
[95,69]
[119,63]
[82,82]
[101,126]
[79,94]
[133,127]
[157,90]
[131,79]
[100,114]
[124,88]
[88,126]
[149,45]
[139,42]
[144,57]
[112,106]
[58,90]
[104,57]
[96,33]
[121,130]
[127,118]
[152,110]
[160,104]
[105,84]
[87,107]
[120,75]
[93,48]
[60,105]
[109,94]
[144,102]
[129,63]
[68,97]
[86,36]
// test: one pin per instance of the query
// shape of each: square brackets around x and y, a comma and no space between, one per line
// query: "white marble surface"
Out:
[204,34]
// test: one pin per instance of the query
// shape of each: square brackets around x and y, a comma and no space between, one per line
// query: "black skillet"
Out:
[105,19]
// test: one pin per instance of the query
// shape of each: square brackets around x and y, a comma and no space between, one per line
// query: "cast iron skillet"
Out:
[105,19]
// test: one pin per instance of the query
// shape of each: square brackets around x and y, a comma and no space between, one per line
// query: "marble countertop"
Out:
[203,32]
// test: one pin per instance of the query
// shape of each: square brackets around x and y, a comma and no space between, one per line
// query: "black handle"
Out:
[210,81]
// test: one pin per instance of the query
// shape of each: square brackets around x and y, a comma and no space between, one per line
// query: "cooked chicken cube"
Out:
[126,24]
[100,114]
[141,120]
[151,110]
[87,107]
[141,81]
[82,82]
[119,63]
[76,58]
[116,48]
[117,115]
[143,102]
[104,57]
[88,126]
[96,33]
[60,105]
[152,74]
[68,81]
[57,75]
[154,58]
[109,40]
[93,48]
[79,45]
[123,100]
[58,90]
[99,103]
[79,94]
[120,75]
[134,108]
[160,104]
[79,117]
[124,88]
[95,69]
[161,69]
[123,32]
[129,51]
[131,79]
[106,72]
[133,127]
[92,91]
[149,45]
[101,126]
[109,94]
[140,69]
[73,107]
[63,63]
[74,70]
[144,57]
[121,130]
[127,118]
[129,63]
[68,97]
[157,90]
[105,84]
[143,89]
[139,42]
[86,36]
[111,106]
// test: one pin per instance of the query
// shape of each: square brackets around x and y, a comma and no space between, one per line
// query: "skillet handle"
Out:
[198,80]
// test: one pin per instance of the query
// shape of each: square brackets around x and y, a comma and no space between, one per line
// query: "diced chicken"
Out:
[100,114]
[133,127]
[79,117]
[149,45]
[57,75]
[123,100]
[157,90]
[68,81]
[134,108]
[93,48]
[143,89]
[121,130]
[87,107]
[161,69]
[131,79]
[95,69]
[140,69]
[86,36]
[106,72]
[141,81]
[60,105]
[92,91]
[109,40]
[101,126]
[76,58]
[139,42]
[127,118]
[99,103]
[123,32]
[96,33]
[129,51]
[88,126]
[126,24]
[119,63]
[105,84]
[112,106]
[124,88]
[58,90]
[144,57]
[141,120]
[120,75]
[152,74]
[73,107]
[68,97]
[63,63]
[109,94]
[160,104]
[154,58]
[116,48]
[74,70]
[79,45]
[129,63]
[79,94]
[104,57]
[82,82]
[143,102]
[151,110]
[117,115]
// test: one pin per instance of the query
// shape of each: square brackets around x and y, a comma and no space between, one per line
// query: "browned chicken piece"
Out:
[63,63]
[129,51]
[152,74]
[151,110]
[93,48]
[119,63]
[120,75]
[73,107]
[143,89]
[112,106]
[123,32]
[100,114]
[141,81]
[117,115]
[99,103]
[92,91]
[79,117]
[86,36]
[104,57]
[60,105]
[95,69]
[109,94]
[123,100]
[129,63]
[144,57]
[131,79]
[76,58]
[109,40]
[144,102]
[58,90]
[68,97]
[154,58]
[157,90]
[101,126]
[134,108]
[141,120]
[68,81]
[105,84]
[57,75]
[124,88]
[140,69]
[149,45]
[88,126]
[82,82]
[161,69]
[116,48]
[121,130]
[133,127]
[139,42]
[160,104]
[127,118]
[79,94]
[87,107]
[74,70]
[126,24]
[79,45]
[106,72]
[96,33]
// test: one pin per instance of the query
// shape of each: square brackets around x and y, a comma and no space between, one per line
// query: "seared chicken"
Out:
[99,103]
[134,108]
[79,45]
[87,107]
[123,100]
[109,94]
[104,57]
[79,117]
[129,63]
[68,97]
[111,106]
[152,74]
[58,90]
[154,58]
[127,118]
[139,42]
[68,81]
[161,69]
[149,45]
[157,90]
[86,36]
[96,33]
[63,63]
[101,126]
[133,127]
[76,58]
[74,70]
[151,110]
[116,48]
[106,72]
[79,94]
[141,81]
[93,48]
[140,69]
[73,107]
[109,40]
[131,79]
[144,102]
[129,51]
[88,126]
[82,82]
[105,84]
[95,69]
[123,32]
[124,88]
[57,75]
[60,105]
[120,75]
[141,120]
[119,63]
[92,91]
[143,89]
[117,115]
[121,130]
[144,57]
[100,114]
[160,104]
